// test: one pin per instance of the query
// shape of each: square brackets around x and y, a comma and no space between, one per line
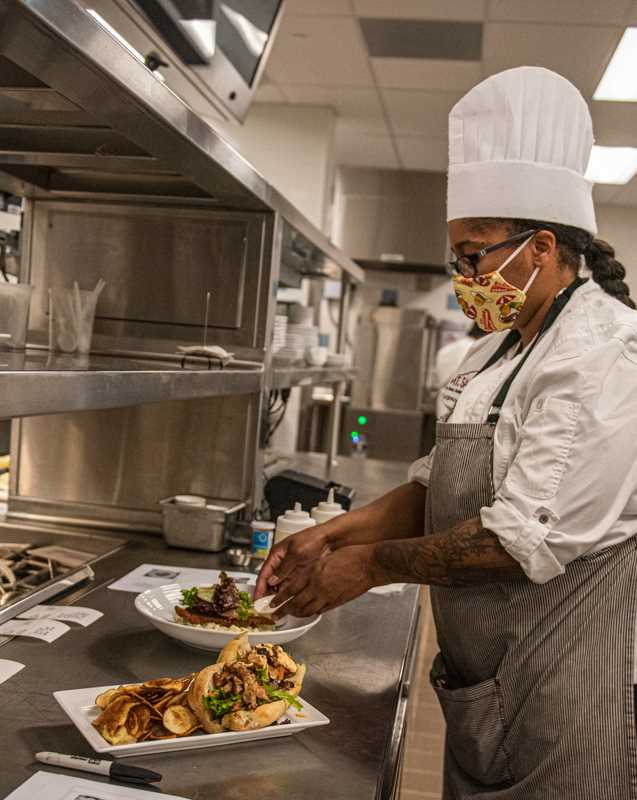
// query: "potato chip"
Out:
[179,720]
[102,700]
[138,720]
[178,699]
[115,715]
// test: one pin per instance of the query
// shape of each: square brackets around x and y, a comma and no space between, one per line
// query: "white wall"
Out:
[618,226]
[293,148]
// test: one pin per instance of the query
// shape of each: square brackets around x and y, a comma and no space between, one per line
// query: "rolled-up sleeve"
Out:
[575,470]
[420,471]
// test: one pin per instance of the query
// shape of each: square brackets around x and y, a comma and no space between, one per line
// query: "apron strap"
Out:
[554,311]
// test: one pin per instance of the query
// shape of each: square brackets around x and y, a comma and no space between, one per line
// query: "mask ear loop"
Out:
[513,255]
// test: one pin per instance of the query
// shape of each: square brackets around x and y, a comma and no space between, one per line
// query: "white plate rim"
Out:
[315,619]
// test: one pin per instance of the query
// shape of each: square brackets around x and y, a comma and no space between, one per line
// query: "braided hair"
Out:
[572,244]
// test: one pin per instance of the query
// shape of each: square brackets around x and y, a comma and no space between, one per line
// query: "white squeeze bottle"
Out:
[292,521]
[327,509]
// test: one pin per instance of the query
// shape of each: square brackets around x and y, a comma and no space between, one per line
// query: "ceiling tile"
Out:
[322,8]
[268,93]
[508,45]
[424,74]
[422,153]
[604,193]
[360,108]
[419,113]
[568,11]
[321,51]
[357,149]
[614,124]
[422,9]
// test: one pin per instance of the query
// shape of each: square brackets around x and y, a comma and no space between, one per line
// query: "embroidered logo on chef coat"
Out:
[450,394]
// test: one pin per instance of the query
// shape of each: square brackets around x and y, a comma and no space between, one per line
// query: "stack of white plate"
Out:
[305,335]
[280,330]
[339,360]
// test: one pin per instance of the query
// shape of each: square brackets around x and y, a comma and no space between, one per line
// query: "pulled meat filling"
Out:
[241,678]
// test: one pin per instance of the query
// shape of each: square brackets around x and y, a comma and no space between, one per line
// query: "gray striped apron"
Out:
[535,680]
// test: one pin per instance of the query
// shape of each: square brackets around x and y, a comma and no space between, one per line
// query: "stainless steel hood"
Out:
[82,117]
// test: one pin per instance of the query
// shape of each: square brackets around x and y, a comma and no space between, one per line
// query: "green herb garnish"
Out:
[275,694]
[189,597]
[279,694]
[218,703]
[245,609]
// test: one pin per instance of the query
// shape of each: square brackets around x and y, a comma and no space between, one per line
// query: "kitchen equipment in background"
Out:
[391,434]
[395,352]
[262,538]
[289,486]
[71,318]
[292,521]
[300,315]
[36,565]
[15,299]
[198,527]
[327,509]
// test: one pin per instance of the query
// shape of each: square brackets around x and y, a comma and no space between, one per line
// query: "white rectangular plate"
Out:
[79,705]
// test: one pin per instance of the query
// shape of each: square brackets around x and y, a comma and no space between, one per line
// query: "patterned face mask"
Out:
[489,300]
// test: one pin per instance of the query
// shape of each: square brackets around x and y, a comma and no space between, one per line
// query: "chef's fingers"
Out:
[265,580]
[288,589]
[303,601]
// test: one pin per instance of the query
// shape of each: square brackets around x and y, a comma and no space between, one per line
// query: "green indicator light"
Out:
[362,420]
[355,434]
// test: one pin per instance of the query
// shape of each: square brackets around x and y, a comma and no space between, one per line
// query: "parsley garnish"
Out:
[275,694]
[245,609]
[218,703]
[189,597]
[279,694]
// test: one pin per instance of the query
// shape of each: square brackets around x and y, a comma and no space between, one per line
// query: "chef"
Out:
[528,501]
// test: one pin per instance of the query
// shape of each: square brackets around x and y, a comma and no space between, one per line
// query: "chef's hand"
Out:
[294,554]
[330,581]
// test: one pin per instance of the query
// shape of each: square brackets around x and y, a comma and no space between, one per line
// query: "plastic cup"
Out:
[73,316]
[15,299]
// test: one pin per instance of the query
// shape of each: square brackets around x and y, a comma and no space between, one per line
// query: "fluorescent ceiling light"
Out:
[619,82]
[99,18]
[612,164]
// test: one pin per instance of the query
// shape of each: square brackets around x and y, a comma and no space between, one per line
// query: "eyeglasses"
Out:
[468,265]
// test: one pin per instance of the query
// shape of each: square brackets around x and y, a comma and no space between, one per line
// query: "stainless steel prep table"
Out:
[359,659]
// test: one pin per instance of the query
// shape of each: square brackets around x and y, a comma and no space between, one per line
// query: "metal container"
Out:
[199,527]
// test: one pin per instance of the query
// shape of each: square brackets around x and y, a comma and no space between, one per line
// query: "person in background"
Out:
[528,501]
[448,361]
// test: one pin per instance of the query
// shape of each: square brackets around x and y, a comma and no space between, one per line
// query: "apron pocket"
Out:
[475,726]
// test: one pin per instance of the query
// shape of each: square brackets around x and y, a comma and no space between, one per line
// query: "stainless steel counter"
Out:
[358,659]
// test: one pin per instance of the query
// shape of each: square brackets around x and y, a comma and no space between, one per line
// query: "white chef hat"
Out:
[519,144]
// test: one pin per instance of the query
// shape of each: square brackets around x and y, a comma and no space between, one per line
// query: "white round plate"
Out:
[158,605]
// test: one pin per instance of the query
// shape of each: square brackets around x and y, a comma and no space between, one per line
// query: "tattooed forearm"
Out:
[466,554]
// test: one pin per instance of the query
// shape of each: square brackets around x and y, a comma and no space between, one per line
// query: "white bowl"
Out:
[316,356]
[158,606]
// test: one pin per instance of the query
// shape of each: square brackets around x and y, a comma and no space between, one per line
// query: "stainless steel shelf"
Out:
[285,377]
[82,117]
[37,382]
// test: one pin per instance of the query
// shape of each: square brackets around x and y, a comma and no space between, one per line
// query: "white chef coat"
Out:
[448,361]
[565,447]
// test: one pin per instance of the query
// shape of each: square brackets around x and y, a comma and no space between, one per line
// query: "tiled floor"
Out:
[422,771]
